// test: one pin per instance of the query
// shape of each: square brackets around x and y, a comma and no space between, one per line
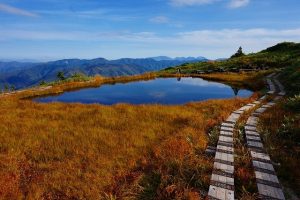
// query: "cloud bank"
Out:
[209,43]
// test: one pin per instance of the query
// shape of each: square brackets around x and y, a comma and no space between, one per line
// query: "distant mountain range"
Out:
[25,74]
[185,59]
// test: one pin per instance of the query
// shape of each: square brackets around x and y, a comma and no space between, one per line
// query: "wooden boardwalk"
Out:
[222,179]
[267,182]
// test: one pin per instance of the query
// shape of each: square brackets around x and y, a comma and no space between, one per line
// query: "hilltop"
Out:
[278,56]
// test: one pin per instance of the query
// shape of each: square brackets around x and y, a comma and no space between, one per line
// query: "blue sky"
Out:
[55,29]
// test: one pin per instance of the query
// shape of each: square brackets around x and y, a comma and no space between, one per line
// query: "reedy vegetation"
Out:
[75,151]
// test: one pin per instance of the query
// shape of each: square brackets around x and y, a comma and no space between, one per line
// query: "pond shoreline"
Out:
[166,91]
[253,81]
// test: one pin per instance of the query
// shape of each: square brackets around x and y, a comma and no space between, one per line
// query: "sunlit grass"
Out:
[123,151]
[90,151]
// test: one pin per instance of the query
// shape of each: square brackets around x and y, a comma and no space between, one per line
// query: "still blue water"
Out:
[158,91]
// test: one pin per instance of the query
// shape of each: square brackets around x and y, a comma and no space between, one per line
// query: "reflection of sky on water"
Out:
[158,94]
[200,82]
[162,91]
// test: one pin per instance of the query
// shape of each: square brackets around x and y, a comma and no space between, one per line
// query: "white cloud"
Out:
[201,82]
[204,37]
[238,3]
[160,20]
[16,11]
[231,4]
[101,14]
[223,43]
[208,43]
[191,2]
[16,34]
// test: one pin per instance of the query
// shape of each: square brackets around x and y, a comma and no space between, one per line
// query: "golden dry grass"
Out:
[75,151]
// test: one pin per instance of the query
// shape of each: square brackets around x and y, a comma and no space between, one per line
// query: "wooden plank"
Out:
[263,97]
[270,104]
[255,144]
[266,106]
[280,86]
[252,121]
[271,85]
[249,137]
[266,177]
[262,156]
[224,128]
[246,108]
[250,128]
[226,133]
[253,133]
[263,165]
[227,124]
[271,92]
[222,179]
[256,114]
[224,156]
[257,102]
[238,112]
[220,193]
[260,110]
[269,191]
[224,148]
[226,139]
[233,118]
[225,144]
[224,167]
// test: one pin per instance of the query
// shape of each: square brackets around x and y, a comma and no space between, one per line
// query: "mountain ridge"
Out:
[22,75]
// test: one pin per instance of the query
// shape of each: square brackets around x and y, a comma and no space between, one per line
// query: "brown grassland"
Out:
[76,151]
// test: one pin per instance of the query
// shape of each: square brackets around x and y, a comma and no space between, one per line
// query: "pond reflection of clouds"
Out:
[161,91]
[201,82]
[157,94]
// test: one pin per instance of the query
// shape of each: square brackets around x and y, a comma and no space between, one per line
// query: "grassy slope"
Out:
[279,56]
